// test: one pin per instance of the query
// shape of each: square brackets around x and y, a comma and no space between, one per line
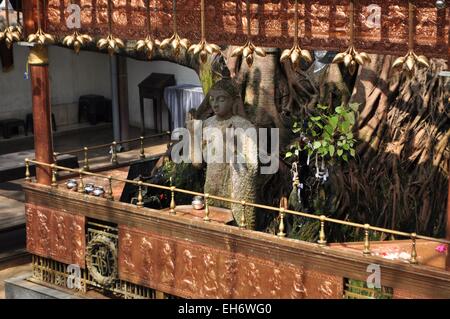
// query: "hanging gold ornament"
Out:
[147,45]
[77,40]
[248,49]
[352,58]
[111,43]
[11,34]
[175,42]
[411,59]
[40,37]
[296,53]
[203,48]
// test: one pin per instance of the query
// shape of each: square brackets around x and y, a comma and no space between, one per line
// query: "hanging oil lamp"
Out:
[351,57]
[248,48]
[147,45]
[111,42]
[203,48]
[40,37]
[411,59]
[77,40]
[11,34]
[175,41]
[296,53]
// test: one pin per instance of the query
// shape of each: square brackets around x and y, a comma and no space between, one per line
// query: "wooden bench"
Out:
[10,126]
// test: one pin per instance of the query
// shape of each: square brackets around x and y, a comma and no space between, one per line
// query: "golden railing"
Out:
[242,223]
[113,145]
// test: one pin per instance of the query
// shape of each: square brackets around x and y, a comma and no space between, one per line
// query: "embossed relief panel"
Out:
[187,270]
[56,235]
[38,230]
[381,25]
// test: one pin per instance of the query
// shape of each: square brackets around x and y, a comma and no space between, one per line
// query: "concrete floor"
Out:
[12,272]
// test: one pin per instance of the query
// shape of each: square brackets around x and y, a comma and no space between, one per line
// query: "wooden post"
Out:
[43,144]
[38,63]
[123,99]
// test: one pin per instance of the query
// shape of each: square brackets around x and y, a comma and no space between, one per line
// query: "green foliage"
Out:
[358,289]
[329,134]
[185,176]
[206,77]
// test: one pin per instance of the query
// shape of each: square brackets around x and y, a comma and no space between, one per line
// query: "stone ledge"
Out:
[21,288]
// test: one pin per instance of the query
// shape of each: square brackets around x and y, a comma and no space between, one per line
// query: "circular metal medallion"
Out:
[101,260]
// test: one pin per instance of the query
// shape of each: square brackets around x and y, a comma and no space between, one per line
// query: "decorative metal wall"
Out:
[324,24]
[191,270]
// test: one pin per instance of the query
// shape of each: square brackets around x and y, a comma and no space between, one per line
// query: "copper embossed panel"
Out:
[57,235]
[381,25]
[195,271]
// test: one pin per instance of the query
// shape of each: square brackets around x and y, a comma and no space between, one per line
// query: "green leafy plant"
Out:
[328,135]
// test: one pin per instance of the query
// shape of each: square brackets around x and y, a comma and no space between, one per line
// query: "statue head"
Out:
[223,98]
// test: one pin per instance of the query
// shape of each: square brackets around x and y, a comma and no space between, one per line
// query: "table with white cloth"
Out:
[180,99]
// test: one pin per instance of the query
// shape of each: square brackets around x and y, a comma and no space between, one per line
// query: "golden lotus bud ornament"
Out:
[352,58]
[111,43]
[41,38]
[203,48]
[175,42]
[147,45]
[247,51]
[77,40]
[296,53]
[410,61]
[11,34]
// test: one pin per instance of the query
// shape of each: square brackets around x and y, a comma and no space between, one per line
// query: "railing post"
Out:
[86,159]
[322,240]
[206,218]
[142,151]
[281,232]
[27,170]
[172,201]
[366,240]
[114,160]
[81,183]
[243,222]
[413,259]
[140,202]
[109,195]
[54,180]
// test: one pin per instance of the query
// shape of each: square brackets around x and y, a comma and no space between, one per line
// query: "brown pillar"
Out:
[122,83]
[38,64]
[43,144]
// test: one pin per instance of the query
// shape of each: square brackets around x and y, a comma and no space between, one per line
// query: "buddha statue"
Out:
[231,177]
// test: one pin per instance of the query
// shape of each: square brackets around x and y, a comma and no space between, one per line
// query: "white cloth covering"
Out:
[180,99]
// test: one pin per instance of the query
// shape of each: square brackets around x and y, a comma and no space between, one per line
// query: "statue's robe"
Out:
[231,178]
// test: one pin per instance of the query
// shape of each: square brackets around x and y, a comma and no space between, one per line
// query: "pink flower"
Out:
[441,248]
